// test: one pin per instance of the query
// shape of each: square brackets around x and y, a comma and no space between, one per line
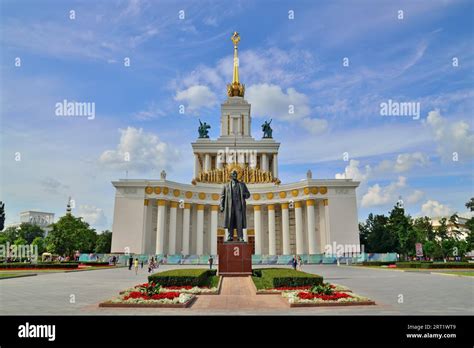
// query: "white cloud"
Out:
[404,162]
[451,137]
[196,97]
[92,215]
[434,208]
[151,112]
[415,196]
[314,125]
[139,151]
[272,100]
[377,195]
[352,171]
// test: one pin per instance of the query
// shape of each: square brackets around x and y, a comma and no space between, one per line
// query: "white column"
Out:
[214,210]
[257,217]
[275,165]
[324,228]
[145,230]
[196,165]
[220,159]
[172,229]
[312,247]
[271,230]
[200,230]
[160,226]
[207,162]
[299,228]
[285,227]
[264,162]
[246,235]
[186,224]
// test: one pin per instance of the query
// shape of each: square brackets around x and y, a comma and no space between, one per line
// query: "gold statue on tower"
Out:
[235,89]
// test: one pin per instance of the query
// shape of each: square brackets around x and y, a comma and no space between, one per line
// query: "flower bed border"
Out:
[108,304]
[333,304]
[277,292]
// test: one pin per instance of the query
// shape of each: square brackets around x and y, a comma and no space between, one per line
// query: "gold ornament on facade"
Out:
[323,190]
[188,194]
[306,190]
[256,196]
[202,195]
[314,190]
[282,194]
[245,173]
[165,190]
[157,190]
[215,196]
[176,192]
[294,193]
[149,190]
[270,195]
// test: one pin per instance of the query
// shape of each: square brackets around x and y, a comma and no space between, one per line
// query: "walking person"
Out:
[135,263]
[211,260]
[294,263]
[299,264]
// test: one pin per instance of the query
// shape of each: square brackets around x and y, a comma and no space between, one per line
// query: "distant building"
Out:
[39,218]
[461,222]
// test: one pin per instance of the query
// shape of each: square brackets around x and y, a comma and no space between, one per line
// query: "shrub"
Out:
[323,289]
[429,264]
[94,263]
[180,277]
[378,263]
[42,265]
[280,277]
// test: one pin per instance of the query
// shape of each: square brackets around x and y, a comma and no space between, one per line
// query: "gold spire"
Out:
[235,89]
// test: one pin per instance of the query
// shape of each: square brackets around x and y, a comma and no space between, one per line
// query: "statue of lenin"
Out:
[233,206]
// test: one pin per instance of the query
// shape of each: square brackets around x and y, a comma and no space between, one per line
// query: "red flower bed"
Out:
[304,287]
[284,288]
[138,294]
[333,297]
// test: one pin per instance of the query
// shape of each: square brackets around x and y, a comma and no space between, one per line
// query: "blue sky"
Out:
[283,61]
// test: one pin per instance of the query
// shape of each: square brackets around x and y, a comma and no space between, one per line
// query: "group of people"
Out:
[152,264]
[297,263]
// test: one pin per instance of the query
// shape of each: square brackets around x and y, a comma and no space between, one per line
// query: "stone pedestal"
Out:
[235,259]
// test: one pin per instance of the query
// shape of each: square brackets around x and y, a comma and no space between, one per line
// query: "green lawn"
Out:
[7,275]
[269,278]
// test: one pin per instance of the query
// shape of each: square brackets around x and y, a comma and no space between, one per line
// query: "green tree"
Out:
[69,234]
[363,235]
[423,229]
[104,242]
[377,236]
[30,231]
[470,204]
[401,227]
[40,243]
[11,234]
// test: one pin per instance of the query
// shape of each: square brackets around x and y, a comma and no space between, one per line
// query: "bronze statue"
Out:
[203,130]
[267,130]
[233,205]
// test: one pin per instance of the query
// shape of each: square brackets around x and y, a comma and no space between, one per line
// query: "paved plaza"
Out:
[423,294]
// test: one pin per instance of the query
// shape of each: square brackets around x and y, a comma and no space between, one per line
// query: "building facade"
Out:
[39,218]
[168,218]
